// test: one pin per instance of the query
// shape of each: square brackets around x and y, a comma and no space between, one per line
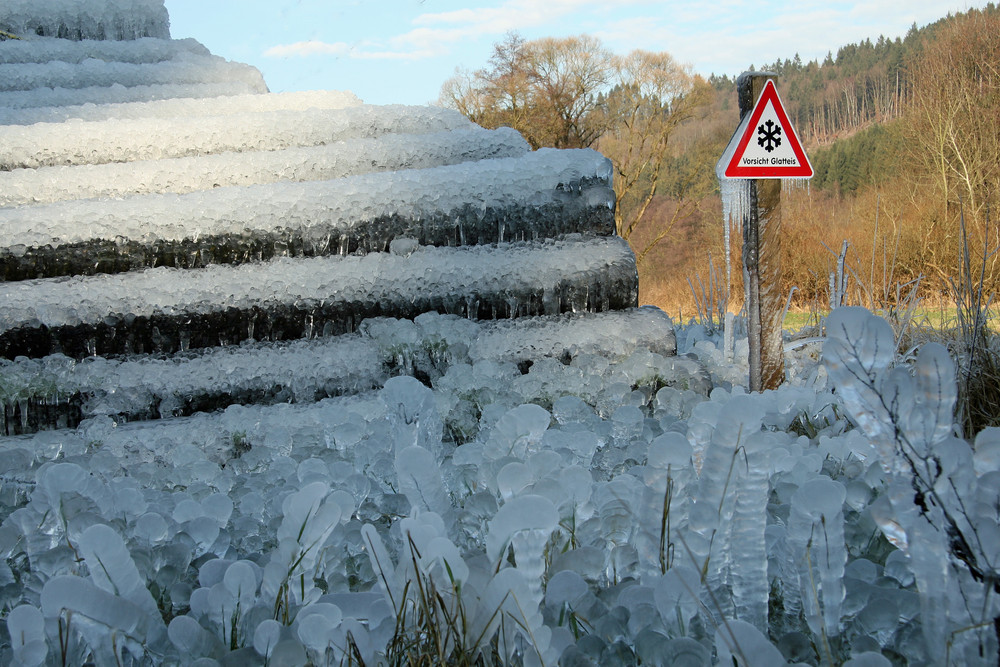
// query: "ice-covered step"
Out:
[184,101]
[311,163]
[186,68]
[56,391]
[33,49]
[165,310]
[152,450]
[541,194]
[353,425]
[17,107]
[96,142]
[90,19]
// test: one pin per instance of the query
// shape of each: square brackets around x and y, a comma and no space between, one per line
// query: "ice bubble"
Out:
[676,594]
[897,566]
[26,628]
[740,643]
[218,506]
[523,513]
[151,527]
[565,588]
[513,478]
[187,510]
[403,246]
[190,638]
[266,636]
[670,449]
[241,580]
[868,659]
[518,432]
[316,623]
[568,409]
[204,531]
[213,571]
[987,448]
[879,619]
[589,562]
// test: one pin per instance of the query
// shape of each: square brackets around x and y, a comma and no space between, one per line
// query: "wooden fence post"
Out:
[762,261]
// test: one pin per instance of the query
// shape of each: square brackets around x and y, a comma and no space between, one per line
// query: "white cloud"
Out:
[435,34]
[355,52]
[309,48]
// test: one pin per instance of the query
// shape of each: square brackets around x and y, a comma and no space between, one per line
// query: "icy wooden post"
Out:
[764,149]
[762,261]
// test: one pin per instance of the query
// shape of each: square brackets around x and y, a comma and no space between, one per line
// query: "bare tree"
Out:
[574,93]
[955,105]
[653,95]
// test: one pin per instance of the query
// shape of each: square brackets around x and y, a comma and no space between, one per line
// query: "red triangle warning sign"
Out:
[765,144]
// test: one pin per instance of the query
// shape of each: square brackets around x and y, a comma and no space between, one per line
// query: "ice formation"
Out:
[99,142]
[179,100]
[184,69]
[92,19]
[20,106]
[312,163]
[281,370]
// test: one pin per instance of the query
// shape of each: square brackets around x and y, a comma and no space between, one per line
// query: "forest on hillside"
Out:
[902,135]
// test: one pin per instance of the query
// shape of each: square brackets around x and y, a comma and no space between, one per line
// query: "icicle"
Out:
[735,208]
[747,530]
[816,534]
[794,185]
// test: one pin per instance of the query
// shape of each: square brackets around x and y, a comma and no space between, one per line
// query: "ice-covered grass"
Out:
[205,172]
[637,522]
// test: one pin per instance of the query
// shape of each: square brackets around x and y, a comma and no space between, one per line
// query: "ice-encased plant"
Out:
[938,507]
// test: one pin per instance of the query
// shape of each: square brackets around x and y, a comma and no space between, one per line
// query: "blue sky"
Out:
[401,51]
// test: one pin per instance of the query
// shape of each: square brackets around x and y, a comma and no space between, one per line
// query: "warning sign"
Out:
[765,144]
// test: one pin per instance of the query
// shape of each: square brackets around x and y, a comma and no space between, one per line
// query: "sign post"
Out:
[764,148]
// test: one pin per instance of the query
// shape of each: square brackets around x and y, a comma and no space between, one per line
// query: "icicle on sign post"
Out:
[763,149]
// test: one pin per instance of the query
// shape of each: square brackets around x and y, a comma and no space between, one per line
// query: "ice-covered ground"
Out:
[270,475]
[588,490]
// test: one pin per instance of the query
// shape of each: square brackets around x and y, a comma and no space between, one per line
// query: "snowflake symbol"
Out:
[770,136]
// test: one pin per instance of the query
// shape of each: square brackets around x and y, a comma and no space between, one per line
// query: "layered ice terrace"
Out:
[212,213]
